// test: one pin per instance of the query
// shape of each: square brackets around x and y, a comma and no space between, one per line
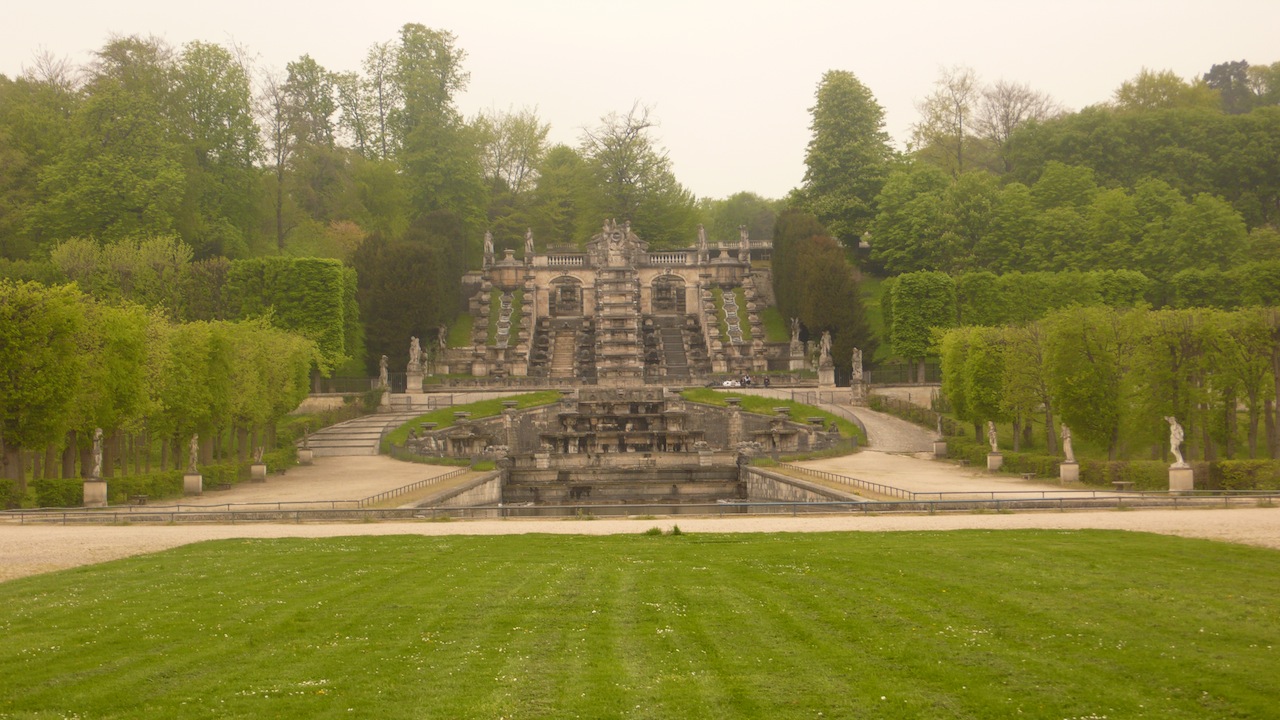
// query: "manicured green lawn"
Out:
[968,624]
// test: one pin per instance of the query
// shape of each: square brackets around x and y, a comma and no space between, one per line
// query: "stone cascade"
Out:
[609,421]
[695,342]
[540,353]
[619,357]
[584,349]
[505,307]
[731,318]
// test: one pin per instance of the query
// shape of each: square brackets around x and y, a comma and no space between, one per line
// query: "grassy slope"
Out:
[460,331]
[775,327]
[765,406]
[485,408]
[969,624]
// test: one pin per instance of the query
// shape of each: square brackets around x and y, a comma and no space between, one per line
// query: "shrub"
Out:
[9,496]
[155,485]
[59,492]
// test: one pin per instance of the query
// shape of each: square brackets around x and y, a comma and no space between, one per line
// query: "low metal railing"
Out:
[372,499]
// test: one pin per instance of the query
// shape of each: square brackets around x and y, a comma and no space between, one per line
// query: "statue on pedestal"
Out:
[1176,436]
[442,337]
[528,245]
[383,380]
[824,348]
[991,436]
[702,243]
[193,454]
[488,248]
[857,366]
[415,355]
[744,244]
[97,454]
[1065,434]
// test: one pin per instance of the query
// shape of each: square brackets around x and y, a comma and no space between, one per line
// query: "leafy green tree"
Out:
[213,116]
[723,217]
[636,178]
[40,367]
[923,302]
[910,215]
[984,378]
[848,157]
[1026,380]
[566,203]
[1231,81]
[953,351]
[1089,350]
[791,230]
[830,298]
[1163,89]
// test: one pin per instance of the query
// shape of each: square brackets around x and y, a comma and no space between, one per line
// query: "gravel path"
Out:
[28,550]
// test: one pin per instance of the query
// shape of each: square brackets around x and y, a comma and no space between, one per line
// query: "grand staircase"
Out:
[562,344]
[671,340]
[356,437]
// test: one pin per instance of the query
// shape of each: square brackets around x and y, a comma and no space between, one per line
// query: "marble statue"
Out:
[795,330]
[744,244]
[991,437]
[488,247]
[1176,436]
[383,380]
[857,365]
[1065,434]
[442,337]
[193,453]
[97,454]
[257,455]
[702,239]
[824,347]
[415,355]
[528,244]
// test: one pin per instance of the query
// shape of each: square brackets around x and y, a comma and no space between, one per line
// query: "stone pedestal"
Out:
[994,461]
[413,382]
[826,376]
[939,448]
[193,484]
[705,457]
[305,455]
[258,472]
[542,460]
[95,493]
[1181,479]
[1068,472]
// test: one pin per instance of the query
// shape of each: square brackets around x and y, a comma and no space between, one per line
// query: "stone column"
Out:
[735,421]
[192,484]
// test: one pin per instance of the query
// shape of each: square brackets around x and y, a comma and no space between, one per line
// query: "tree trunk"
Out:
[86,460]
[109,453]
[1050,437]
[206,450]
[37,465]
[977,431]
[164,455]
[242,444]
[51,460]
[1114,448]
[1017,434]
[13,468]
[1269,424]
[69,456]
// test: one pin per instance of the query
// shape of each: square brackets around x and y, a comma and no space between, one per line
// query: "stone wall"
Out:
[766,486]
[484,490]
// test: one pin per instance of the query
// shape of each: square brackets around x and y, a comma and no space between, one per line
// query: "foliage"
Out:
[847,158]
[922,301]
[1024,601]
[306,295]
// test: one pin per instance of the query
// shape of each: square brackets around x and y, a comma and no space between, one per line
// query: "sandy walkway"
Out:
[28,550]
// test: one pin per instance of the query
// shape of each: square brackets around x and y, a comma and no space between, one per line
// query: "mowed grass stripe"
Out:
[970,624]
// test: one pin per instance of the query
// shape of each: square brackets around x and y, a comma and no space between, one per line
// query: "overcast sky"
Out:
[729,82]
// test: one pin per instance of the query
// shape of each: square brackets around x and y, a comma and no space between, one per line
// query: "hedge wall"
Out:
[311,296]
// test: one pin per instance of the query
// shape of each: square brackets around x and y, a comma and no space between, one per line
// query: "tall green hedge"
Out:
[311,296]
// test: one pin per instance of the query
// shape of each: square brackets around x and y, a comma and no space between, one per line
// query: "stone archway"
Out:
[566,297]
[668,295]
